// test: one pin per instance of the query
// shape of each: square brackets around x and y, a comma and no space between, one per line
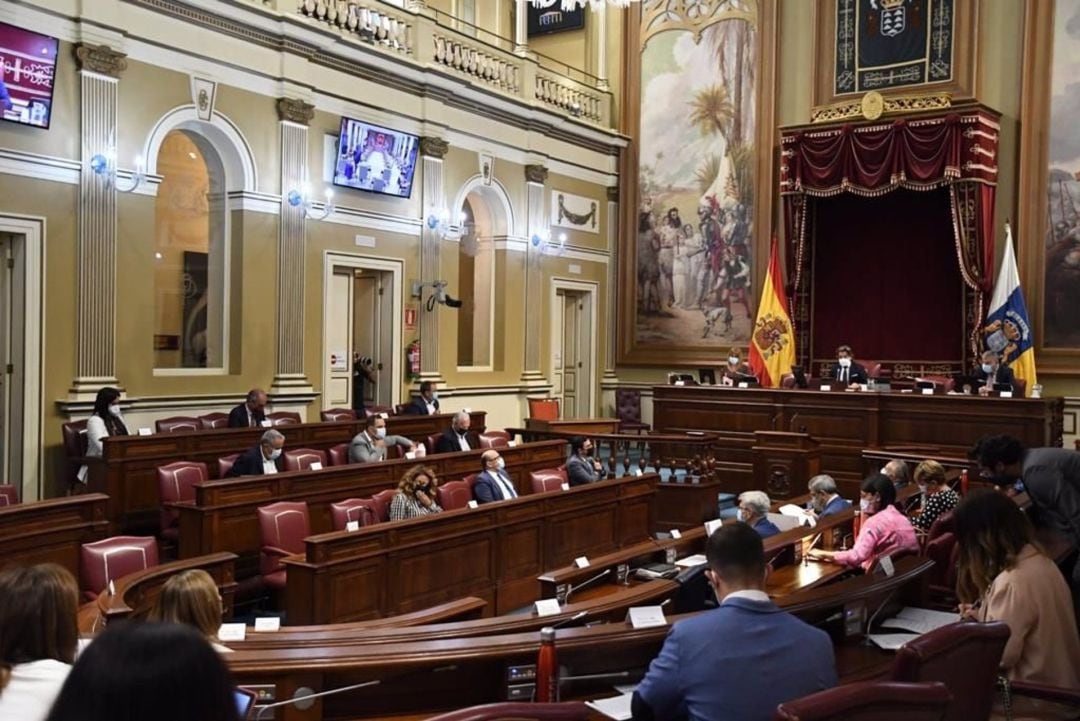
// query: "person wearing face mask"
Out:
[990,372]
[738,661]
[416,495]
[847,371]
[938,498]
[493,483]
[261,460]
[885,530]
[425,404]
[457,437]
[735,370]
[582,467]
[824,498]
[104,422]
[370,444]
[754,512]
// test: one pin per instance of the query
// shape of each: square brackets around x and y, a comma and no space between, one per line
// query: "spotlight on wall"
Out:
[439,222]
[103,165]
[302,199]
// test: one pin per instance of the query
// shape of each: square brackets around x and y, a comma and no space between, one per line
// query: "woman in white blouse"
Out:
[106,421]
[38,638]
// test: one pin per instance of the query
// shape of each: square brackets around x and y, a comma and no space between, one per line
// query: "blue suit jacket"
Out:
[836,505]
[766,528]
[487,489]
[737,663]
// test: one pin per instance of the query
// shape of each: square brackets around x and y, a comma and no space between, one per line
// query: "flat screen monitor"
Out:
[245,701]
[375,159]
[27,74]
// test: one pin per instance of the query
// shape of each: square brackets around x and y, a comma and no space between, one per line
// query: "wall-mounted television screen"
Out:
[375,159]
[27,72]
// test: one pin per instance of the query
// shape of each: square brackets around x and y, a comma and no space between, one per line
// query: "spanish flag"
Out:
[772,343]
[1008,329]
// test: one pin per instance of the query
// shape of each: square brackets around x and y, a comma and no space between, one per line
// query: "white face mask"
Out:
[380,432]
[114,411]
[501,463]
[922,488]
[740,515]
[987,368]
[434,396]
[865,506]
[845,362]
[733,360]
[275,454]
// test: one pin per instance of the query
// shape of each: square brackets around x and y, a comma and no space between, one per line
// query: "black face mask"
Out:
[588,451]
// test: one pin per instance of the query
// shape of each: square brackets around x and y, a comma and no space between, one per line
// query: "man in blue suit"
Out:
[739,661]
[754,512]
[493,483]
[824,497]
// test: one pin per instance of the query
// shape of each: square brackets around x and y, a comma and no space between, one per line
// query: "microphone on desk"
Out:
[304,697]
[576,617]
[880,608]
[585,583]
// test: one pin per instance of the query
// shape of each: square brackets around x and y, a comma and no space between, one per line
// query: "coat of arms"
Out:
[893,19]
[771,334]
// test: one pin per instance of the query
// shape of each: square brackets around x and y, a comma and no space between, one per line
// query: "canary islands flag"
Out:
[1007,329]
[772,343]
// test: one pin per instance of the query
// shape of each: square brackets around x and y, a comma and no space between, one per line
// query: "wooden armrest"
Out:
[275,551]
[1045,693]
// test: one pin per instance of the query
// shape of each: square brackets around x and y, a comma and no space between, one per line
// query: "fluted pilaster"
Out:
[535,178]
[432,152]
[612,304]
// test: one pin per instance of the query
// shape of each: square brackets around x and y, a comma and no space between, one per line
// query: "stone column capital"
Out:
[536,174]
[294,110]
[100,59]
[434,147]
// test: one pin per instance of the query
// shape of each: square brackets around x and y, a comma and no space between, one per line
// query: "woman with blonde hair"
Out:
[938,498]
[191,598]
[416,495]
[39,635]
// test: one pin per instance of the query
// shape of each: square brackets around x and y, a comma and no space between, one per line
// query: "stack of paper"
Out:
[617,707]
[690,561]
[891,641]
[920,620]
[790,509]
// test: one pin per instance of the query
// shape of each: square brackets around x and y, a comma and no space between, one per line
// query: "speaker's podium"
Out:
[784,462]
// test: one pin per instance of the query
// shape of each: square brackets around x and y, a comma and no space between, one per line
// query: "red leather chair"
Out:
[282,529]
[382,501]
[547,479]
[300,459]
[178,424]
[284,418]
[112,558]
[870,701]
[567,711]
[494,439]
[965,657]
[333,415]
[9,496]
[628,410]
[377,409]
[400,409]
[225,464]
[945,523]
[431,443]
[544,409]
[454,494]
[211,421]
[176,483]
[364,510]
[873,368]
[471,480]
[787,381]
[942,550]
[1019,387]
[940,382]
[339,454]
[74,435]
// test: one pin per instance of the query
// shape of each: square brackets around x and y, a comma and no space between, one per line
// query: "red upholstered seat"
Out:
[382,501]
[628,410]
[9,495]
[431,443]
[494,439]
[339,454]
[74,435]
[941,550]
[282,529]
[471,479]
[965,657]
[454,494]
[300,459]
[176,483]
[377,409]
[178,424]
[544,409]
[567,711]
[111,558]
[214,420]
[333,415]
[547,479]
[225,464]
[399,409]
[284,418]
[873,368]
[1019,387]
[363,510]
[870,701]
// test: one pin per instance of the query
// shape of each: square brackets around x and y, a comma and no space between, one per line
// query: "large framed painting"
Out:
[700,84]
[1048,229]
[894,46]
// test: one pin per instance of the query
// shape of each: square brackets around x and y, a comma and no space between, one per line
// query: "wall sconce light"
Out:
[104,165]
[439,221]
[302,199]
[543,241]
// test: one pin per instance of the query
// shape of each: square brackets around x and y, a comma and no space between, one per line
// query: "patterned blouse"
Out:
[937,504]
[406,506]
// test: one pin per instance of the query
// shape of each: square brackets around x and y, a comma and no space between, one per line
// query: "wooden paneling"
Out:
[51,531]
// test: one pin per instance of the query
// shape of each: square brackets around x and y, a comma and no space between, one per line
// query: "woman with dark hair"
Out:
[1003,575]
[885,530]
[140,671]
[104,422]
[38,638]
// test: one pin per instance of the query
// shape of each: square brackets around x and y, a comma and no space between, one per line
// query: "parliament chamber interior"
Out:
[539,359]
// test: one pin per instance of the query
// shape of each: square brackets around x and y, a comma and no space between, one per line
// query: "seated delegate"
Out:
[825,499]
[493,483]
[416,495]
[991,372]
[581,466]
[263,459]
[885,530]
[847,371]
[938,498]
[754,511]
[191,598]
[425,404]
[370,444]
[457,436]
[736,370]
[251,413]
[897,472]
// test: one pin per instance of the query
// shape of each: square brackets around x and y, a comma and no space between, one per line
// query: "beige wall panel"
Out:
[256,118]
[598,240]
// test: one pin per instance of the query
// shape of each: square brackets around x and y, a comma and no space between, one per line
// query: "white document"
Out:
[265,625]
[267,424]
[920,620]
[790,509]
[617,708]
[232,632]
[626,687]
[548,607]
[352,526]
[145,432]
[646,616]
[891,641]
[410,455]
[564,486]
[384,416]
[711,526]
[675,533]
[511,444]
[785,522]
[690,561]
[473,504]
[316,466]
[581,562]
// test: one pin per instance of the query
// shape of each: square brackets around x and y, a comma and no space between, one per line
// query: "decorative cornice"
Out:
[296,111]
[613,194]
[434,147]
[100,59]
[536,174]
[873,105]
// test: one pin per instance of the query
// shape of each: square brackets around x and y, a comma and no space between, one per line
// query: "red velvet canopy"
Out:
[957,150]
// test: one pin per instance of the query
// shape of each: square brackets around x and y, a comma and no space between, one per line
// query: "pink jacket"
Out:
[885,532]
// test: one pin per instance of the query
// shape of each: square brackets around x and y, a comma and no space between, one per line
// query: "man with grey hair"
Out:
[991,372]
[897,472]
[754,512]
[824,497]
[370,444]
[457,436]
[263,459]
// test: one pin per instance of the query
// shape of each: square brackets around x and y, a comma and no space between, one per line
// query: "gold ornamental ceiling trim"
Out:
[873,105]
[693,16]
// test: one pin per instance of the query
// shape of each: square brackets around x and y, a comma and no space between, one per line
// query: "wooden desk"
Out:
[127,472]
[574,426]
[224,518]
[51,531]
[845,423]
[494,551]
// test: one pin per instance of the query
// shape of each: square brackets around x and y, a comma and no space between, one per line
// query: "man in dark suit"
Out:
[738,661]
[992,372]
[263,459]
[425,404]
[493,483]
[846,370]
[251,413]
[754,512]
[581,467]
[457,437]
[825,498]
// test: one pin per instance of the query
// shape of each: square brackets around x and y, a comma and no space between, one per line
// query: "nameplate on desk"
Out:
[316,466]
[887,566]
[675,533]
[548,607]
[232,632]
[473,504]
[410,455]
[1005,394]
[680,383]
[826,388]
[145,432]
[565,486]
[928,391]
[267,625]
[742,384]
[384,416]
[511,444]
[711,526]
[266,424]
[581,562]
[352,526]
[646,617]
